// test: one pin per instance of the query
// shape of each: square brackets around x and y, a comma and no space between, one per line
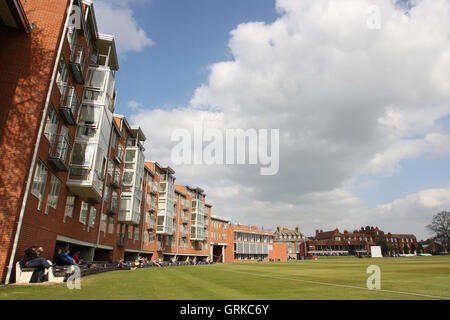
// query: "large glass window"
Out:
[92,217]
[39,182]
[130,156]
[82,154]
[84,212]
[103,224]
[53,193]
[95,78]
[70,204]
[89,115]
[127,178]
[51,127]
[111,225]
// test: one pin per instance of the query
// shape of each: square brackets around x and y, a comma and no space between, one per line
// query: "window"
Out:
[87,33]
[113,140]
[70,204]
[95,78]
[127,178]
[82,154]
[63,75]
[111,169]
[51,127]
[114,201]
[92,217]
[111,225]
[53,193]
[84,212]
[136,234]
[39,182]
[107,195]
[89,115]
[104,221]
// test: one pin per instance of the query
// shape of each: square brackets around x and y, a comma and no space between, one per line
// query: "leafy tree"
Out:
[440,226]
[383,244]
[420,248]
[406,248]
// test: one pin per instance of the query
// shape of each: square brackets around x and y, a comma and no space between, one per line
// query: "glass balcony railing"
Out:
[115,180]
[77,64]
[114,206]
[68,106]
[58,153]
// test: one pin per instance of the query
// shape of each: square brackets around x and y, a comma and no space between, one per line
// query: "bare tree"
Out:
[440,226]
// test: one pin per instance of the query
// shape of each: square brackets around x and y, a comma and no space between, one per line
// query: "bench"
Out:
[24,275]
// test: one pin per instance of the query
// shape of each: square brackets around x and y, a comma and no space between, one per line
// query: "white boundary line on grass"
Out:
[336,285]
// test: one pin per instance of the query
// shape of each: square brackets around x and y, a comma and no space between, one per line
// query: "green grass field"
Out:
[326,278]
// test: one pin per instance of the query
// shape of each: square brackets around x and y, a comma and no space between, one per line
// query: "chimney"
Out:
[278,228]
[297,228]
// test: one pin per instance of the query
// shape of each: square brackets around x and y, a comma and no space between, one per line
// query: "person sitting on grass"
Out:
[124,266]
[157,262]
[32,259]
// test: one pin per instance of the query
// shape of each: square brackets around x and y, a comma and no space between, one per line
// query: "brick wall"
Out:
[26,62]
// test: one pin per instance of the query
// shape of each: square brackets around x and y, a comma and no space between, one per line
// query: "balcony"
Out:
[68,107]
[114,207]
[115,180]
[184,219]
[85,182]
[58,153]
[77,63]
[121,240]
[118,154]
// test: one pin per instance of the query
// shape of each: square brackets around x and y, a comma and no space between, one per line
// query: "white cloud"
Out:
[347,100]
[134,105]
[116,18]
[413,212]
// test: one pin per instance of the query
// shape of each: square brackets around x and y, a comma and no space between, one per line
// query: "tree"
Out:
[440,226]
[406,248]
[420,248]
[383,244]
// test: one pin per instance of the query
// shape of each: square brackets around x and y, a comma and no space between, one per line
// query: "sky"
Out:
[363,112]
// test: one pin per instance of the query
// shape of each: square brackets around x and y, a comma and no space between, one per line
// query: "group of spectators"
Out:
[33,259]
[140,262]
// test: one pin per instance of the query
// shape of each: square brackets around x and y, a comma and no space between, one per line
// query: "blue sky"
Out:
[393,171]
[188,36]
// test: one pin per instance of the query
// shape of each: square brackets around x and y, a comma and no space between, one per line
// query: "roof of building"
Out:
[288,232]
[324,235]
[225,219]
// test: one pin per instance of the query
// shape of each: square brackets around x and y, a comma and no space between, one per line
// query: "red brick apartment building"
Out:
[335,242]
[72,173]
[250,244]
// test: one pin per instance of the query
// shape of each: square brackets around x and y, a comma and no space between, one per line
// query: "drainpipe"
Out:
[36,147]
